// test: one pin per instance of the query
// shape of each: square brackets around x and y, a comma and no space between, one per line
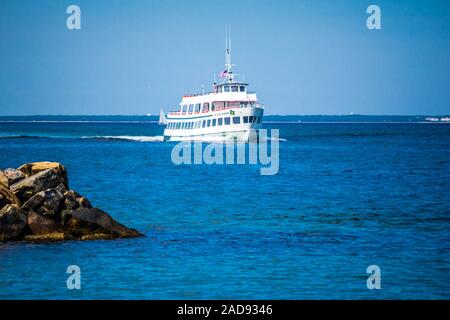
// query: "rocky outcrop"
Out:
[36,204]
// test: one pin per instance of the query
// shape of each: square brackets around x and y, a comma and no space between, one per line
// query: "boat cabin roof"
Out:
[217,85]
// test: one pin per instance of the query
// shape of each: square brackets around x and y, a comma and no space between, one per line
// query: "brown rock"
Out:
[47,203]
[38,182]
[65,216]
[7,197]
[88,221]
[97,236]
[4,179]
[34,202]
[13,175]
[70,200]
[48,237]
[12,222]
[30,169]
[40,225]
[84,203]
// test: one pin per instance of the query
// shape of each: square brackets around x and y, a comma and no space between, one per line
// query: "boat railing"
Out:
[257,105]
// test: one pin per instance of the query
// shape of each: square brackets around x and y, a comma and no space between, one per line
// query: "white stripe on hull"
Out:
[240,136]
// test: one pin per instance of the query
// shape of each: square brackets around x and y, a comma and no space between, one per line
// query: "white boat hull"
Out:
[232,132]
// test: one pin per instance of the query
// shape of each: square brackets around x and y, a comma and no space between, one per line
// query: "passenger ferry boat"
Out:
[229,112]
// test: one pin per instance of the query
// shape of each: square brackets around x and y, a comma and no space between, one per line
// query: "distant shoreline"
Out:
[354,118]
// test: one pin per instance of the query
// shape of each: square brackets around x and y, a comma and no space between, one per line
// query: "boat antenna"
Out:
[228,64]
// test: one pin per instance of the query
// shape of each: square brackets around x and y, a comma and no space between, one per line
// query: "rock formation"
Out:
[36,204]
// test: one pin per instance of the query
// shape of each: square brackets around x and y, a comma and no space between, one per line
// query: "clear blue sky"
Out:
[302,57]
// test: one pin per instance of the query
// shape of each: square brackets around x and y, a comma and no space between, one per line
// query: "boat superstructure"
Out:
[229,112]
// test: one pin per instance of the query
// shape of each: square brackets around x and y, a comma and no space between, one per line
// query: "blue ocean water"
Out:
[347,195]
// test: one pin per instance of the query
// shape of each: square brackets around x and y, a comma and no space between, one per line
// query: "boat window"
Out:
[250,119]
[191,108]
[234,88]
[214,122]
[245,119]
[204,123]
[242,88]
[213,106]
[234,104]
[208,124]
[236,120]
[226,88]
[197,107]
[206,107]
[184,108]
[219,121]
[254,119]
[227,120]
[219,105]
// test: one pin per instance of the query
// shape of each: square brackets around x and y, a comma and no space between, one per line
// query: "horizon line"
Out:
[280,115]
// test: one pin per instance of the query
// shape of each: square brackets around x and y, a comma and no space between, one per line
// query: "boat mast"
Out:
[228,64]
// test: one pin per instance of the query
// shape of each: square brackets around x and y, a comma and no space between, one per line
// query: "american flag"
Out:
[223,74]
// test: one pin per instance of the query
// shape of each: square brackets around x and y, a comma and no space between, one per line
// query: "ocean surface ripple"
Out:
[347,196]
